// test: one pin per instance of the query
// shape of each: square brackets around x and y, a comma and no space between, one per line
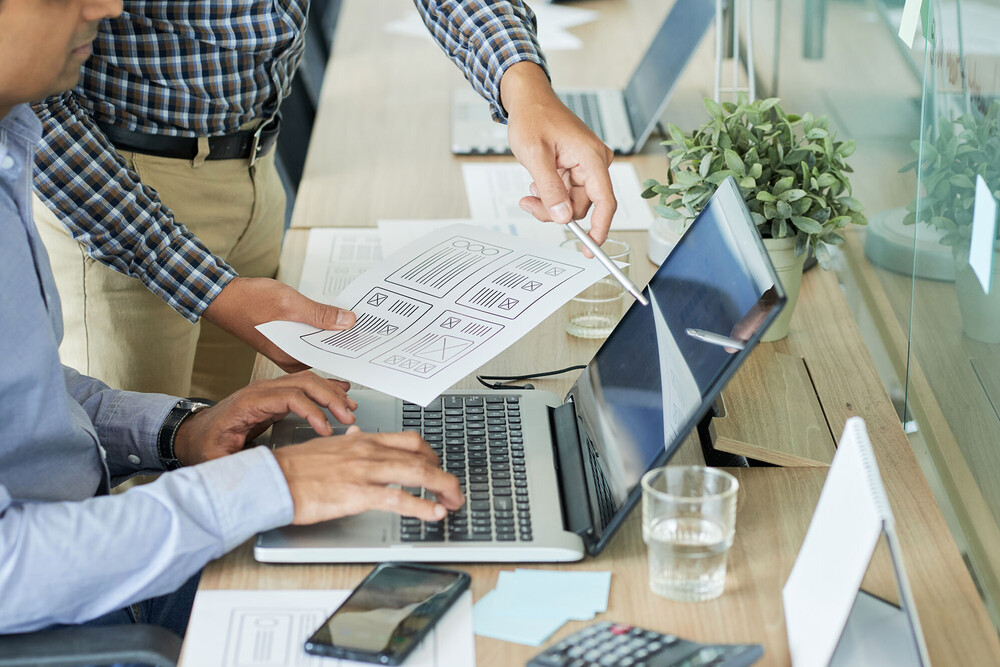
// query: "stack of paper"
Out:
[527,606]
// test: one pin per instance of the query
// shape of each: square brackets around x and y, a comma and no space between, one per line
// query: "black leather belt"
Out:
[243,145]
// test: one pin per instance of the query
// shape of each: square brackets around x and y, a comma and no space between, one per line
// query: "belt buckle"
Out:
[255,146]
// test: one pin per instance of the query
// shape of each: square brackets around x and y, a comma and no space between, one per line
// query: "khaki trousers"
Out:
[119,331]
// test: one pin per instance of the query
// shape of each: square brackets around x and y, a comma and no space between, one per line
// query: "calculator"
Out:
[620,645]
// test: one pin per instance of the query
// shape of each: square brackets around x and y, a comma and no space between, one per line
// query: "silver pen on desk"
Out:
[608,263]
[715,339]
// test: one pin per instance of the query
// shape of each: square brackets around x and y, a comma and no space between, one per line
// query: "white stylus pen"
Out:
[715,339]
[608,263]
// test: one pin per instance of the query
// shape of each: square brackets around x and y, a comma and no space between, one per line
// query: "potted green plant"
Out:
[966,147]
[792,173]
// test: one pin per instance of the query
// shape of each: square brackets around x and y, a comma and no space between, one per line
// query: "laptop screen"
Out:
[652,380]
[647,91]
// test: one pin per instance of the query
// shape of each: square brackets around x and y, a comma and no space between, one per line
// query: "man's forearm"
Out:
[81,177]
[155,535]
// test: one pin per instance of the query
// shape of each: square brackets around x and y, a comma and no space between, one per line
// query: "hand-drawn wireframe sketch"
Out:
[231,628]
[335,257]
[437,310]
[399,234]
[446,340]
[266,638]
[381,315]
[447,264]
[514,287]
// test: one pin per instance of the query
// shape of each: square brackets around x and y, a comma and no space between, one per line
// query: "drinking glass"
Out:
[594,312]
[688,523]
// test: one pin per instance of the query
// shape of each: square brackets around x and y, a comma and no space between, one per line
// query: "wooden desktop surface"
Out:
[380,150]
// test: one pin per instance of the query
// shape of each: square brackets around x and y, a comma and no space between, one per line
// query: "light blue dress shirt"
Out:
[68,551]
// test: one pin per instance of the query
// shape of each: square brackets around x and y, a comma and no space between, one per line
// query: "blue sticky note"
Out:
[505,617]
[984,229]
[580,594]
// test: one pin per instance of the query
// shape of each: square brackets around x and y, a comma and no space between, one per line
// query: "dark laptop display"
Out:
[651,382]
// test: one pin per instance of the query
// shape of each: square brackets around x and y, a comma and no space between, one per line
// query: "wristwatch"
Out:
[168,432]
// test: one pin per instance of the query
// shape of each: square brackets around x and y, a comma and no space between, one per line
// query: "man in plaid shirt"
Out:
[159,166]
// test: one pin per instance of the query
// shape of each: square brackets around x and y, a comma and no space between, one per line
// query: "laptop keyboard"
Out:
[479,440]
[585,106]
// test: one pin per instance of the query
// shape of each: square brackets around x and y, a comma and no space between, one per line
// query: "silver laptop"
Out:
[622,119]
[549,478]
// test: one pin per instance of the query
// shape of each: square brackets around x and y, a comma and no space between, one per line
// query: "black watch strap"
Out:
[168,431]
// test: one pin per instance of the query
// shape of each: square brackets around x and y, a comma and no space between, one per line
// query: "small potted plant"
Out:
[965,148]
[792,173]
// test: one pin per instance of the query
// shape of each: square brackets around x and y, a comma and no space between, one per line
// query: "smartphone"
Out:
[388,614]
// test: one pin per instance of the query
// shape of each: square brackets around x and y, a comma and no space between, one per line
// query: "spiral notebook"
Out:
[830,620]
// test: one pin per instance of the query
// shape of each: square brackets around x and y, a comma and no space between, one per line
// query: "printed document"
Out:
[495,188]
[269,628]
[336,256]
[436,311]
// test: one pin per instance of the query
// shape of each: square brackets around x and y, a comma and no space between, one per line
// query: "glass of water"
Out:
[688,523]
[594,312]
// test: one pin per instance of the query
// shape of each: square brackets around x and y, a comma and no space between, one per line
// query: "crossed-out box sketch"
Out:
[448,338]
[381,313]
[513,287]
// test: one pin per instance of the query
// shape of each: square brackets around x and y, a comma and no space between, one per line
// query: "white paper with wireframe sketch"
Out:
[829,621]
[436,311]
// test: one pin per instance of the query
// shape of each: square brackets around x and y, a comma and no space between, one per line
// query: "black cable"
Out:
[500,381]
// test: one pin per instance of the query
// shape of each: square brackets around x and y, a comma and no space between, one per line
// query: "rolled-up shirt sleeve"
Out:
[121,222]
[54,557]
[484,38]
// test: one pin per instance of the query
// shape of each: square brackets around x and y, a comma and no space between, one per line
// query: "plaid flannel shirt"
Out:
[205,69]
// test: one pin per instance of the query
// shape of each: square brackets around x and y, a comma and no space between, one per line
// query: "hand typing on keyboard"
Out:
[334,477]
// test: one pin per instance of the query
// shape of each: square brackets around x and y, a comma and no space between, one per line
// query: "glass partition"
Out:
[926,119]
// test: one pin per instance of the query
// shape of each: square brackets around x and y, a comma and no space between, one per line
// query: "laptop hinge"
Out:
[570,471]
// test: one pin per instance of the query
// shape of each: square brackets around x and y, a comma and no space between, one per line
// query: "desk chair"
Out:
[107,645]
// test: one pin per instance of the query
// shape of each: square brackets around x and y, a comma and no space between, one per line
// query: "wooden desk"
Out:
[749,611]
[380,150]
[951,393]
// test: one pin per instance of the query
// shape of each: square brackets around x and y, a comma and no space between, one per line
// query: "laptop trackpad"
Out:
[369,529]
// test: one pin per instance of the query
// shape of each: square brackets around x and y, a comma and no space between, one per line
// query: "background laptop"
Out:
[549,479]
[622,119]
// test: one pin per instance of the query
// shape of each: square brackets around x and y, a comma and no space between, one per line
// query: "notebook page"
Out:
[838,546]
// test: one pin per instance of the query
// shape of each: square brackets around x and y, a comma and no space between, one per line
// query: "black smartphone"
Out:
[388,614]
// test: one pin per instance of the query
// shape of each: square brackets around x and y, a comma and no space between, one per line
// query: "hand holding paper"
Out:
[436,311]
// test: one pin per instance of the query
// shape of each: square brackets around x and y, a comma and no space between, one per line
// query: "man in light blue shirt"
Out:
[69,552]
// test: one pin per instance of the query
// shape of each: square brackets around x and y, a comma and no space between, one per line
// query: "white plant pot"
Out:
[789,270]
[663,236]
[980,311]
